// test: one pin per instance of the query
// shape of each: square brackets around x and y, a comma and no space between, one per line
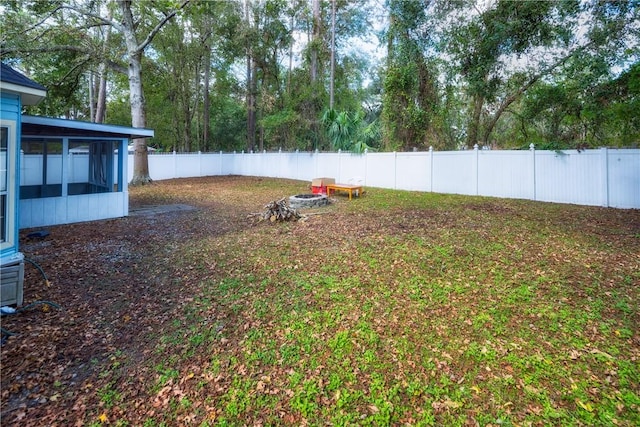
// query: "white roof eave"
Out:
[29,95]
[125,131]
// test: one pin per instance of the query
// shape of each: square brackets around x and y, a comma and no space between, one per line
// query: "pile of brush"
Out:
[278,210]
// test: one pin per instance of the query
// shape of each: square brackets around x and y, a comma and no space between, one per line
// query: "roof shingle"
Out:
[9,75]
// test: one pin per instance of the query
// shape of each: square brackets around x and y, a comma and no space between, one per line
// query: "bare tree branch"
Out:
[95,16]
[120,68]
[160,24]
[36,25]
[85,60]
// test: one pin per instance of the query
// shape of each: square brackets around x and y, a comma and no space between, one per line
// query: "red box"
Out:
[319,185]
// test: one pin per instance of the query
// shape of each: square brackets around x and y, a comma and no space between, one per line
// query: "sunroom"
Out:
[73,171]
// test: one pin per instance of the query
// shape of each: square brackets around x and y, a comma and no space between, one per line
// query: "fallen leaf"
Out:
[446,404]
[586,406]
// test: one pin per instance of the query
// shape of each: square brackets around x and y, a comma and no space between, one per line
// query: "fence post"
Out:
[175,164]
[604,156]
[366,152]
[199,163]
[431,171]
[476,153]
[395,170]
[532,149]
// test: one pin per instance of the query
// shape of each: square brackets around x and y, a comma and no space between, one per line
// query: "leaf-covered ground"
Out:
[398,308]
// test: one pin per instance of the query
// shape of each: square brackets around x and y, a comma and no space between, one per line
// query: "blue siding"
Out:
[10,106]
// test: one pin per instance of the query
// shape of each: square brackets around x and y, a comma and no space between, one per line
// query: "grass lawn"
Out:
[397,308]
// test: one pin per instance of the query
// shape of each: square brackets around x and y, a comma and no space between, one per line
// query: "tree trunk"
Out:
[207,101]
[138,120]
[187,128]
[315,41]
[251,103]
[290,56]
[474,124]
[136,95]
[92,101]
[333,52]
[101,102]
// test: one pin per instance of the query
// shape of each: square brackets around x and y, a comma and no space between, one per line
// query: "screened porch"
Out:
[73,171]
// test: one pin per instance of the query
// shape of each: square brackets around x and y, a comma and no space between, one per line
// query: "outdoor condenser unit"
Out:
[11,281]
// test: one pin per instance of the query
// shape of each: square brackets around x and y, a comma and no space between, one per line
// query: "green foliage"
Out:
[556,73]
[410,96]
[348,131]
[409,101]
[576,112]
[280,127]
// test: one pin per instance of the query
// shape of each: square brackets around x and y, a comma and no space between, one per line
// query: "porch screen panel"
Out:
[91,164]
[41,174]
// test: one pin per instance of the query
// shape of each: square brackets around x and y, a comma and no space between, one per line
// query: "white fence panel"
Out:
[271,165]
[507,173]
[307,165]
[228,163]
[187,165]
[210,164]
[163,166]
[287,165]
[623,184]
[328,166]
[381,170]
[78,169]
[352,167]
[54,168]
[251,164]
[570,176]
[455,172]
[31,169]
[413,171]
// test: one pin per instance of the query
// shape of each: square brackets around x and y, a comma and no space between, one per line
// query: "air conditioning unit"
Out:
[12,280]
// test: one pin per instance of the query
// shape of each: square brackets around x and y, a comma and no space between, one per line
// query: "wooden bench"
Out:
[344,187]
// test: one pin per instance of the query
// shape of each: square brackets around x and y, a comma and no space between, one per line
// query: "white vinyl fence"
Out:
[600,177]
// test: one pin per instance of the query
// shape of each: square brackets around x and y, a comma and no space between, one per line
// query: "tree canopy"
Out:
[261,74]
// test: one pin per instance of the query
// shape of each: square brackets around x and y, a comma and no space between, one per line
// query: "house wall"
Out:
[66,210]
[10,106]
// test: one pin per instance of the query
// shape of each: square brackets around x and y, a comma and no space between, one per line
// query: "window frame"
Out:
[10,223]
